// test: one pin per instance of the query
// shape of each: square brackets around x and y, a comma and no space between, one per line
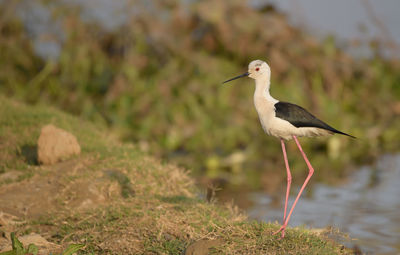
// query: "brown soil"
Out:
[53,190]
[62,189]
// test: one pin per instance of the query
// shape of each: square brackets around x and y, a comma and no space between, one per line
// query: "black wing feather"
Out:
[300,117]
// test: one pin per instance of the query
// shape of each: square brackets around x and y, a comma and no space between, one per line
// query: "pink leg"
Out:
[310,173]
[289,178]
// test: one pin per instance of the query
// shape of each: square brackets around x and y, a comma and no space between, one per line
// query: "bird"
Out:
[285,121]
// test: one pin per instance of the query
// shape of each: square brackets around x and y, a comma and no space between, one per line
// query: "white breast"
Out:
[266,112]
[278,127]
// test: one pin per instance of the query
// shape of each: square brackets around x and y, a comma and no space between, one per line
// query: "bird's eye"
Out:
[257,69]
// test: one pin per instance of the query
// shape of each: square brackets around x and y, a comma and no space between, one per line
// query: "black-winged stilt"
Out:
[285,121]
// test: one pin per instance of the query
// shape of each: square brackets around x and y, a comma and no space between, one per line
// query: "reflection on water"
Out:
[367,207]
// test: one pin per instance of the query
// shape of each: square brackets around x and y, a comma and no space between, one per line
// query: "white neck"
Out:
[262,89]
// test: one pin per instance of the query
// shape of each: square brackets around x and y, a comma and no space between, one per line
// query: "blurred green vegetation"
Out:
[157,80]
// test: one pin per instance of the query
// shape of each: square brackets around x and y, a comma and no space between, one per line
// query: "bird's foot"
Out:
[282,231]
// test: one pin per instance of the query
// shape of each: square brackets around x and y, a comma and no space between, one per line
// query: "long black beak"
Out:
[237,77]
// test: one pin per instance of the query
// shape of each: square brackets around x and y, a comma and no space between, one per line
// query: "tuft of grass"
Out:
[123,181]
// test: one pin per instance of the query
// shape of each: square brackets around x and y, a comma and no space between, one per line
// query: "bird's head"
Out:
[258,69]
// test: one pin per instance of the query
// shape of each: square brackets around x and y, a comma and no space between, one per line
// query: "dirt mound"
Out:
[66,185]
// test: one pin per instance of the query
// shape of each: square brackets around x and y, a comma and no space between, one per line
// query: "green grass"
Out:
[161,213]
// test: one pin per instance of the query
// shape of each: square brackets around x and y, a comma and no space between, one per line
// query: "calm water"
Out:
[367,207]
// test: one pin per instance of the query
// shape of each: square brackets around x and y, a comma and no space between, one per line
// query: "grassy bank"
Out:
[117,200]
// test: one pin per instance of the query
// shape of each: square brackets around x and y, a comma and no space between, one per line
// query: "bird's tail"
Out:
[342,133]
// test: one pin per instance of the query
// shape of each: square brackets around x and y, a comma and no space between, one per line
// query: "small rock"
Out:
[35,239]
[55,144]
[44,246]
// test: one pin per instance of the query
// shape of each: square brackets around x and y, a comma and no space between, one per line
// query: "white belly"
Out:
[278,127]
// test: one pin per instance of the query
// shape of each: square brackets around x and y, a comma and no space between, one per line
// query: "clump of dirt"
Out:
[55,144]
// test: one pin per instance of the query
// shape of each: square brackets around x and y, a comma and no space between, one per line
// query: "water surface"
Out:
[367,207]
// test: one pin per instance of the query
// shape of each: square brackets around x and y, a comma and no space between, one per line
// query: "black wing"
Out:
[300,117]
